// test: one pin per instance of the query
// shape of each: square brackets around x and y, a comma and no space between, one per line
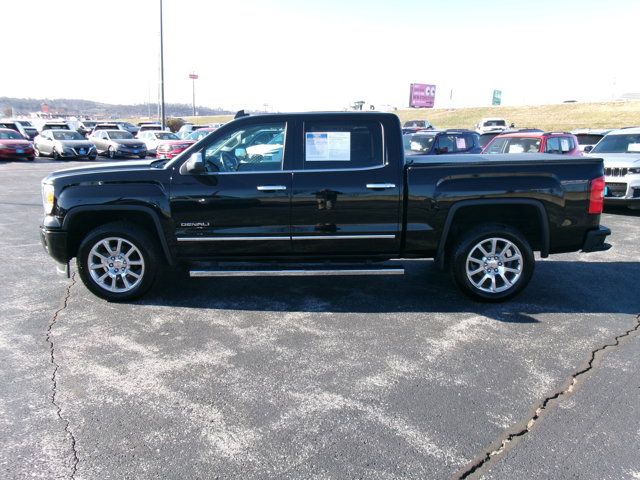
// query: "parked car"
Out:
[200,134]
[589,137]
[147,127]
[55,126]
[486,125]
[129,127]
[64,145]
[438,142]
[534,141]
[26,128]
[188,128]
[85,127]
[106,126]
[117,143]
[16,127]
[485,138]
[341,192]
[163,143]
[13,146]
[620,150]
[171,148]
[412,126]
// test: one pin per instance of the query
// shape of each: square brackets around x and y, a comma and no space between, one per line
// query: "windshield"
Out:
[25,123]
[67,136]
[277,140]
[167,136]
[618,144]
[10,135]
[417,144]
[495,123]
[486,138]
[200,134]
[126,124]
[120,135]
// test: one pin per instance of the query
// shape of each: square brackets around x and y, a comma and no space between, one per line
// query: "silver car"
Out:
[63,144]
[620,151]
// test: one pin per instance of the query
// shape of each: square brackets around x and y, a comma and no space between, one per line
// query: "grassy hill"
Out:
[564,116]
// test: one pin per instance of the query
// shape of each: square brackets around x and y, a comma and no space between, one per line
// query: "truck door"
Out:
[240,205]
[346,192]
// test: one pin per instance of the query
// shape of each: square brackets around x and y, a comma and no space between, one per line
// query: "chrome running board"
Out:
[296,272]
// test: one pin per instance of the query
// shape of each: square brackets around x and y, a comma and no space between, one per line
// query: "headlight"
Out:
[634,170]
[47,197]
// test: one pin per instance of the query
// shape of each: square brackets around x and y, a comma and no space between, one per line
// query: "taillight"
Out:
[596,195]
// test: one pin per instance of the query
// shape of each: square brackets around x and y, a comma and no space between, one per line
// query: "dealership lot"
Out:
[327,377]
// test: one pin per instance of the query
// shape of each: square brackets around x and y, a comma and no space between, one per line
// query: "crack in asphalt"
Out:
[598,352]
[54,376]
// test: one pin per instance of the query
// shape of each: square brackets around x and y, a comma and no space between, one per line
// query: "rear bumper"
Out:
[55,244]
[633,203]
[594,240]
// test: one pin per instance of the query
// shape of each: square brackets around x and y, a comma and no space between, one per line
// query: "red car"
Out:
[14,146]
[531,141]
[171,148]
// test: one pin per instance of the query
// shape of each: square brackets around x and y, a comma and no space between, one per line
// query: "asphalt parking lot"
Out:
[317,377]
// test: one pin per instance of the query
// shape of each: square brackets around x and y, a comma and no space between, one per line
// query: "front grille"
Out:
[615,171]
[616,189]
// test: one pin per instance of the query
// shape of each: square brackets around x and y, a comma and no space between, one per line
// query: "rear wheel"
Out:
[492,263]
[118,261]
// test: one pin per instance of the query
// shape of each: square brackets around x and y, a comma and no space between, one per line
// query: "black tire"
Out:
[93,157]
[111,153]
[55,155]
[145,255]
[30,159]
[142,156]
[497,278]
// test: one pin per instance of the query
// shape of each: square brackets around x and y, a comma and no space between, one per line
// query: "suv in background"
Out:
[16,126]
[438,142]
[55,126]
[412,126]
[534,141]
[620,151]
[486,125]
[589,137]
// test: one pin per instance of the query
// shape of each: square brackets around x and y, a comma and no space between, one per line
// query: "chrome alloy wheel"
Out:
[494,265]
[116,265]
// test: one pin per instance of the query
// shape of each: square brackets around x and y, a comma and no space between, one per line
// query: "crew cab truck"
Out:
[334,194]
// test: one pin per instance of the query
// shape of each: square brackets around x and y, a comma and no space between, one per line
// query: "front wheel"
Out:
[111,153]
[492,263]
[118,261]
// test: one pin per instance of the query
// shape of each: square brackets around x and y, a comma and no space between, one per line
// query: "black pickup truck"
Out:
[320,194]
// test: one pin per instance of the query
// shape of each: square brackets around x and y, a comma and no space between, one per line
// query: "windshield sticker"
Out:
[328,146]
[516,148]
[460,143]
[564,144]
[633,147]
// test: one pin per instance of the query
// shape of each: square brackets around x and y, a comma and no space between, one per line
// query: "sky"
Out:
[296,55]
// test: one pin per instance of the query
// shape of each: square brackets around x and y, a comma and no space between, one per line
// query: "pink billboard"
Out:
[422,95]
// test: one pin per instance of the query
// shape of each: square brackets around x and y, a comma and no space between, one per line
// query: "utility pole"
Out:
[162,116]
[193,76]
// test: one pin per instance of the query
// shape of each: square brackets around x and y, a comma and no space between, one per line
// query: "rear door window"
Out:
[342,145]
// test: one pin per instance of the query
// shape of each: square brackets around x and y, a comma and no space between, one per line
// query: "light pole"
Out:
[193,77]
[162,118]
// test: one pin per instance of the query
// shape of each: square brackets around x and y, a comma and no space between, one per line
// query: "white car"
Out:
[620,150]
[487,125]
[589,137]
[153,138]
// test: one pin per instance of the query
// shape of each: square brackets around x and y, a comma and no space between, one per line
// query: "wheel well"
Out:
[525,218]
[83,222]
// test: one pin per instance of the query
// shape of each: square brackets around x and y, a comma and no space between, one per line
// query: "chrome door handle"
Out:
[271,188]
[380,186]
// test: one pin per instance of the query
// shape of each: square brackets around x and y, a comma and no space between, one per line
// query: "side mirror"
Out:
[588,148]
[195,164]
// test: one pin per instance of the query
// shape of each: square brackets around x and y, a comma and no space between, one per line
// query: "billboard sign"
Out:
[422,95]
[497,97]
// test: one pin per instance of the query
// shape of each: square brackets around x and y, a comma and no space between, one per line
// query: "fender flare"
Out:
[543,220]
[124,208]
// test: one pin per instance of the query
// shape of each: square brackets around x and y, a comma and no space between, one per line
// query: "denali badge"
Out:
[194,224]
